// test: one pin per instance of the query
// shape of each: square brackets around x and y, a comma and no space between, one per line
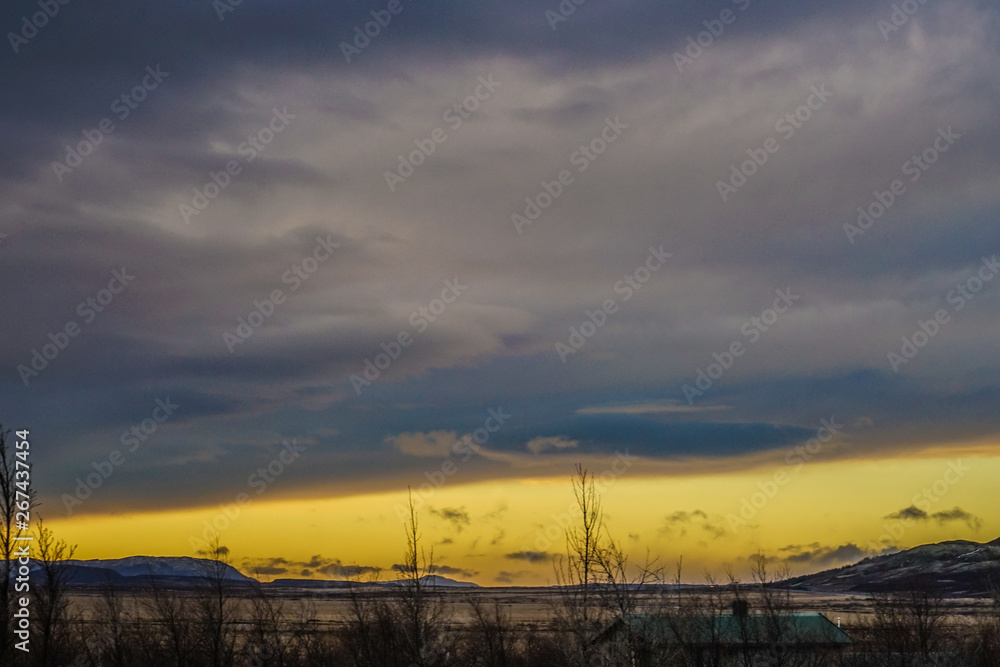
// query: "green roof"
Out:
[727,629]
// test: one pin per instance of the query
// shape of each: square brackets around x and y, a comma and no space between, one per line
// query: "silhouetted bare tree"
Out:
[404,625]
[175,635]
[420,610]
[116,624]
[216,608]
[907,626]
[577,570]
[268,638]
[621,590]
[493,639]
[50,597]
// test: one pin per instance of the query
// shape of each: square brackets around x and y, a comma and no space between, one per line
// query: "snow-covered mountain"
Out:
[161,567]
[185,570]
[958,568]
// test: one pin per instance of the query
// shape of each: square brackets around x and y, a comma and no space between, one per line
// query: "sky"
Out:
[266,266]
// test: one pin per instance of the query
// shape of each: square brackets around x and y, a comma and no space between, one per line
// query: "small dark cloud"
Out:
[958,514]
[316,565]
[497,514]
[815,554]
[676,524]
[349,571]
[443,570]
[456,516]
[914,513]
[530,556]
[448,571]
[504,577]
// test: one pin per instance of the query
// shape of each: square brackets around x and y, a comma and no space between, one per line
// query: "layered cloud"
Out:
[914,513]
[405,313]
[820,556]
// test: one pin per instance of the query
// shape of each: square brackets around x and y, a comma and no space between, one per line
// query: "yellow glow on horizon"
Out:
[728,518]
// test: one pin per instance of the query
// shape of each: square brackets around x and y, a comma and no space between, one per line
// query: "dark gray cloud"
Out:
[530,556]
[818,555]
[323,177]
[458,517]
[677,523]
[509,578]
[448,571]
[914,513]
[318,565]
[436,568]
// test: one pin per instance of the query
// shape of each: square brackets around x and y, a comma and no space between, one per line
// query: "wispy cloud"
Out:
[539,445]
[677,523]
[458,517]
[821,556]
[530,556]
[914,513]
[659,407]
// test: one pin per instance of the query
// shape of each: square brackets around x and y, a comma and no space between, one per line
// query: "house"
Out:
[739,637]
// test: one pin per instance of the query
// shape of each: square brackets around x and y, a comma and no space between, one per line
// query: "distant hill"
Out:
[428,580]
[163,566]
[438,580]
[187,571]
[958,568]
[138,570]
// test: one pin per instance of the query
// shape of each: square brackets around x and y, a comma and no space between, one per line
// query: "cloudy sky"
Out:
[267,265]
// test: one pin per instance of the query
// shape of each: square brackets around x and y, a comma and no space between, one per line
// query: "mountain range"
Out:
[185,570]
[958,568]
